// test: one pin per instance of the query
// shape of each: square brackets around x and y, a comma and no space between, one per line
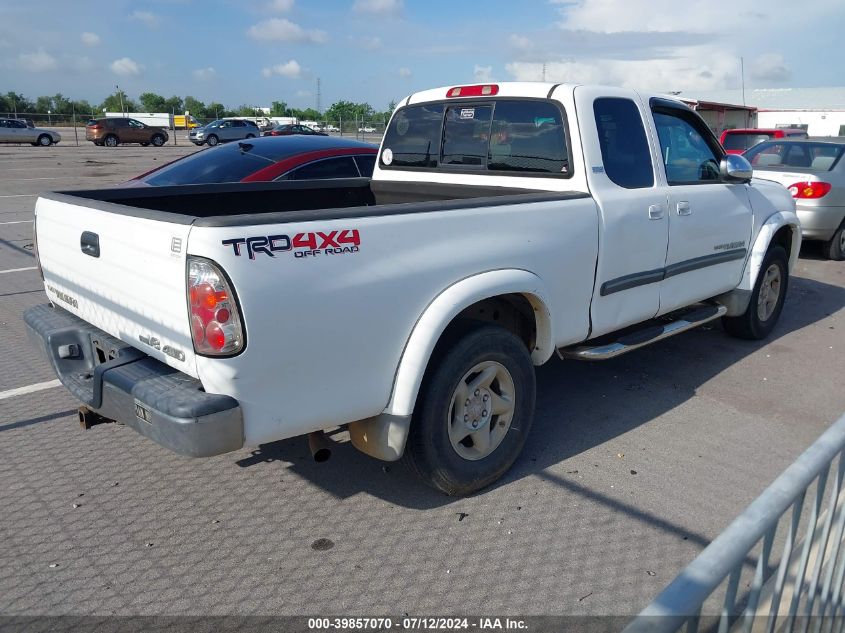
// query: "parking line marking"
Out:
[21,391]
[17,222]
[20,195]
[16,270]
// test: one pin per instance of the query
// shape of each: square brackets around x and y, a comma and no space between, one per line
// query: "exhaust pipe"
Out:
[88,418]
[320,446]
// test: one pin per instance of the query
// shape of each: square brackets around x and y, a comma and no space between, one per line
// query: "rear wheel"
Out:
[44,140]
[157,140]
[111,141]
[212,140]
[835,248]
[767,298]
[250,136]
[473,412]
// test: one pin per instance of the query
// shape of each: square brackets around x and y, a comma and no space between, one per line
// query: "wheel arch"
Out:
[782,228]
[475,297]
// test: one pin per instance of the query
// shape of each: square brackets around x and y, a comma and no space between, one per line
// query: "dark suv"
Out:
[112,131]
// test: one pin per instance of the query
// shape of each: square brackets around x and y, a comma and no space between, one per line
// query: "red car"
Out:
[266,159]
[739,140]
[289,129]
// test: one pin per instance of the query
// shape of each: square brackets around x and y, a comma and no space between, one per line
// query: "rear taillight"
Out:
[215,319]
[95,127]
[808,190]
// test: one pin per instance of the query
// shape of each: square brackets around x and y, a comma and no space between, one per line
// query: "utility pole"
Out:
[120,96]
[742,75]
[544,71]
[319,98]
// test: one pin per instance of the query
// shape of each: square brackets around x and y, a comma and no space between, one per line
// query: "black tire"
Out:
[835,248]
[45,141]
[429,452]
[212,140]
[749,325]
[157,140]
[144,144]
[111,141]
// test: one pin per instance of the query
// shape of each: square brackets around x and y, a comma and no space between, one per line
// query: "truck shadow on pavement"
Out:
[579,406]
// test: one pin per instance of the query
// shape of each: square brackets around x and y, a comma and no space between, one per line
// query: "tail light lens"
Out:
[807,190]
[216,326]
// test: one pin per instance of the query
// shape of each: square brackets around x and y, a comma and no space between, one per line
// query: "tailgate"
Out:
[120,273]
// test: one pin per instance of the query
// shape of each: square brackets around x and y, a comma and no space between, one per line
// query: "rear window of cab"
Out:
[490,136]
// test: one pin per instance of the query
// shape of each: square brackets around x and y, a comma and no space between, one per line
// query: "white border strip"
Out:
[16,270]
[18,222]
[20,391]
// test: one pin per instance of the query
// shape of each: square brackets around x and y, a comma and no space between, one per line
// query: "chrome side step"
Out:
[648,335]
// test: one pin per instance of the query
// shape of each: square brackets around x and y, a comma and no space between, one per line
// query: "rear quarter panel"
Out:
[325,333]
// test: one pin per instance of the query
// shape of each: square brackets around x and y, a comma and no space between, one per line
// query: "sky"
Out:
[255,52]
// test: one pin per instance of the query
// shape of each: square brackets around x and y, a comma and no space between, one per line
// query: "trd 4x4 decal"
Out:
[301,244]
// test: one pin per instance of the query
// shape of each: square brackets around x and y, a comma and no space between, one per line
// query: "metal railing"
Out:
[804,588]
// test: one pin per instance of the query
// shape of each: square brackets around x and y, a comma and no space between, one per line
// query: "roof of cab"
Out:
[531,89]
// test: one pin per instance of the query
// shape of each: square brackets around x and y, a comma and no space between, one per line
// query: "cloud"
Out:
[304,93]
[383,7]
[482,73]
[282,30]
[38,62]
[90,39]
[291,70]
[281,6]
[692,69]
[520,42]
[205,74]
[367,43]
[404,72]
[126,67]
[770,67]
[147,18]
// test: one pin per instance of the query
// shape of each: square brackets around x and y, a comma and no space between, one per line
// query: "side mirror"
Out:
[735,168]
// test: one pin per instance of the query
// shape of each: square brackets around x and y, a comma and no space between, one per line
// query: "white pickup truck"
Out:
[504,224]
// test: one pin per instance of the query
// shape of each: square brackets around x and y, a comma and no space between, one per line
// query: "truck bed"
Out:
[232,204]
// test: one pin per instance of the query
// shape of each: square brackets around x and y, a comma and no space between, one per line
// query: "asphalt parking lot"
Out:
[633,466]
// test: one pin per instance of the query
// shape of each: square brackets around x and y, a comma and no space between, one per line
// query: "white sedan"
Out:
[17,131]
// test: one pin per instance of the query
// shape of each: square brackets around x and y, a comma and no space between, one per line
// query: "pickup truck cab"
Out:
[504,224]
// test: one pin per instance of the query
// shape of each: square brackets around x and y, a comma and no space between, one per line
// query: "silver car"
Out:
[814,172]
[17,131]
[224,130]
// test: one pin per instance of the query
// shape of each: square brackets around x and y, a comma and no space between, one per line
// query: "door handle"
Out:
[90,244]
[655,211]
[684,208]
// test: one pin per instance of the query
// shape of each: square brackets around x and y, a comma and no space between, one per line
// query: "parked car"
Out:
[813,171]
[266,159]
[291,128]
[17,131]
[738,140]
[112,131]
[412,307]
[367,129]
[331,128]
[223,131]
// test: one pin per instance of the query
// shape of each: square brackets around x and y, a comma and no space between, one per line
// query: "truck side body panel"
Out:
[325,332]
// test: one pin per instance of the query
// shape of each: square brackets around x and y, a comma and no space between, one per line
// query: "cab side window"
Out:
[687,155]
[624,147]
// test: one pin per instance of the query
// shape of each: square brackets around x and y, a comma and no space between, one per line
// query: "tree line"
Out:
[58,104]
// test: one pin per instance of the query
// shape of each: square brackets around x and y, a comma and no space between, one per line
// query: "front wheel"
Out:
[473,413]
[111,141]
[212,140]
[158,140]
[835,248]
[44,140]
[767,298]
